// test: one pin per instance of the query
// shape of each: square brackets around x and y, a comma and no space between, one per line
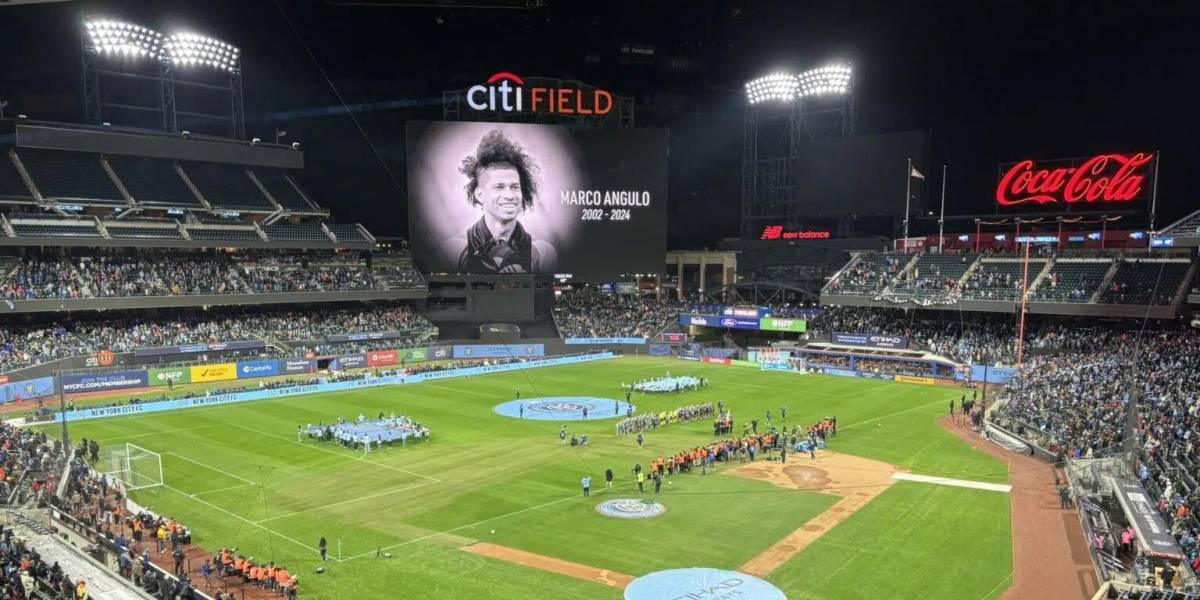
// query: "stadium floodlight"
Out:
[779,87]
[117,38]
[825,81]
[190,49]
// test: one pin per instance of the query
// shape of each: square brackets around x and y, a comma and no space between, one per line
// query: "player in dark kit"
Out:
[501,183]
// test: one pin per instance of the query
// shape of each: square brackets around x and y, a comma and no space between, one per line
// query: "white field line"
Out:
[224,489]
[963,483]
[153,433]
[245,520]
[888,416]
[475,524]
[210,468]
[352,500]
[335,453]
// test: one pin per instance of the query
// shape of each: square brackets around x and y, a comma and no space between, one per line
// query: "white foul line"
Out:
[962,483]
[210,468]
[244,519]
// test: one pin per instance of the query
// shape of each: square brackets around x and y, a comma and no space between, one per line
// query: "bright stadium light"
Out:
[189,49]
[780,87]
[117,38]
[825,81]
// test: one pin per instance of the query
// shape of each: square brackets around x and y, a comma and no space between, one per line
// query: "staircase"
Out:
[1104,283]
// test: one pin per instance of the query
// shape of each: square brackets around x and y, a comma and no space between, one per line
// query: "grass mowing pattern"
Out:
[914,541]
[237,475]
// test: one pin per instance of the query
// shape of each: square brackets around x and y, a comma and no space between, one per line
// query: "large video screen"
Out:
[500,198]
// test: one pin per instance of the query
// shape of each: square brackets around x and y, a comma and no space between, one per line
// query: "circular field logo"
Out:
[701,583]
[564,408]
[630,508]
[561,407]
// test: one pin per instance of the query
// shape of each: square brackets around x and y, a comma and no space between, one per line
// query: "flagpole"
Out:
[1153,205]
[942,216]
[907,197]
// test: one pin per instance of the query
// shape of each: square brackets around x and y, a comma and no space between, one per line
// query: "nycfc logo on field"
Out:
[560,407]
[630,508]
[701,584]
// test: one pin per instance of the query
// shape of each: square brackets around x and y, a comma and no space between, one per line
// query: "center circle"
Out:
[701,583]
[564,408]
[631,508]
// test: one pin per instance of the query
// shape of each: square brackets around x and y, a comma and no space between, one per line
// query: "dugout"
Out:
[913,363]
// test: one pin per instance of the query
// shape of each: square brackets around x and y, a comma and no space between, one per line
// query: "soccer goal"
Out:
[135,467]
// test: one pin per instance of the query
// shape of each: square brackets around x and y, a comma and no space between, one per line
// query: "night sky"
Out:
[991,82]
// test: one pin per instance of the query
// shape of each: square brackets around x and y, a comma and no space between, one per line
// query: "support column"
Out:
[702,267]
[658,287]
[679,278]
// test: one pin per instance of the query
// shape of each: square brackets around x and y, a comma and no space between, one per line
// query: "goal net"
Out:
[135,467]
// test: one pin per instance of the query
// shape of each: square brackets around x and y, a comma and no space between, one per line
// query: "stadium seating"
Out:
[11,184]
[934,273]
[49,228]
[226,186]
[1145,282]
[133,231]
[868,275]
[152,181]
[606,315]
[998,280]
[243,234]
[282,190]
[70,175]
[1071,281]
[297,232]
[346,232]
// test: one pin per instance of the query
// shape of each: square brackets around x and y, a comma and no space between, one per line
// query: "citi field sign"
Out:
[506,92]
[1104,179]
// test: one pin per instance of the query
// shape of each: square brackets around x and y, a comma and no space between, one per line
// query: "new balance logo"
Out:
[772,232]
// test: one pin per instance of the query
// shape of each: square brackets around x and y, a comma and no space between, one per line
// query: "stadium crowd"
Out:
[586,314]
[153,274]
[34,343]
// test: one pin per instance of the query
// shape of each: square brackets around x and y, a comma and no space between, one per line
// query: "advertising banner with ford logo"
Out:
[257,368]
[99,382]
[726,322]
[870,339]
[298,365]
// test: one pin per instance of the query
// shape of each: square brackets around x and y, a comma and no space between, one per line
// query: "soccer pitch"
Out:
[237,476]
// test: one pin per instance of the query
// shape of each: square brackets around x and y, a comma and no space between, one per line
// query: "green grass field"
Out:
[237,476]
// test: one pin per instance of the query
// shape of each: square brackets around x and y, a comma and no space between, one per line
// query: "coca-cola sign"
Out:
[1101,179]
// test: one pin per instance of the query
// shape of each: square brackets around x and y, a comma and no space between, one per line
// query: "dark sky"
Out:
[993,82]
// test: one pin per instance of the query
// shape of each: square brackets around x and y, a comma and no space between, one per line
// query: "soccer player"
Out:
[518,392]
[587,485]
[608,478]
[322,546]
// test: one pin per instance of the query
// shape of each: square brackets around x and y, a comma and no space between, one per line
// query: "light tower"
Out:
[130,70]
[782,111]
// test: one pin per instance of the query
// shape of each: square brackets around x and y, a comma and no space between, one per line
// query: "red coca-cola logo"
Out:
[1105,178]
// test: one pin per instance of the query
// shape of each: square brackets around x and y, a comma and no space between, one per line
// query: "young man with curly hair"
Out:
[501,183]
